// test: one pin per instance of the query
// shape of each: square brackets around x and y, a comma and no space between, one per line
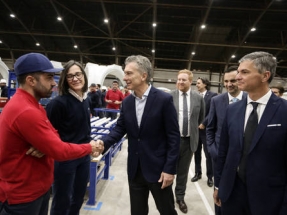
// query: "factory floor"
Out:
[112,197]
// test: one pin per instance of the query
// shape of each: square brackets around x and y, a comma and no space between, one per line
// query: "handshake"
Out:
[97,147]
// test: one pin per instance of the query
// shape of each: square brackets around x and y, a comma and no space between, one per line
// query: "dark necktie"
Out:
[185,116]
[250,128]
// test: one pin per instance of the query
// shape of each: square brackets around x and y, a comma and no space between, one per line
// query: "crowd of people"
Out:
[243,133]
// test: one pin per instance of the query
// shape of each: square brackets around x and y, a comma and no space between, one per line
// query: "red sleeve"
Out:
[37,130]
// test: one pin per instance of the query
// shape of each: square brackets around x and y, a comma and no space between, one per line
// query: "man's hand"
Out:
[201,126]
[34,152]
[216,198]
[166,179]
[97,147]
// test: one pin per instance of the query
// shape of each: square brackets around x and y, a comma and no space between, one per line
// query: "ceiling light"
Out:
[12,15]
[59,18]
[193,53]
[37,44]
[253,29]
[114,48]
[233,56]
[75,46]
[106,20]
[0,41]
[154,24]
[203,26]
[153,51]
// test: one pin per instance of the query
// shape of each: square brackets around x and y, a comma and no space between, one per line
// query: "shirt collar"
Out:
[263,100]
[73,93]
[145,93]
[239,96]
[187,92]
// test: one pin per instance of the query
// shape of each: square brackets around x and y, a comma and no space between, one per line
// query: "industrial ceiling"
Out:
[170,33]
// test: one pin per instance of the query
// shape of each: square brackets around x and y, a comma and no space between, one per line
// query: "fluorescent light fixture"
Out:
[1,41]
[253,29]
[114,48]
[37,44]
[154,24]
[193,53]
[59,18]
[12,15]
[233,56]
[153,51]
[202,26]
[75,46]
[106,20]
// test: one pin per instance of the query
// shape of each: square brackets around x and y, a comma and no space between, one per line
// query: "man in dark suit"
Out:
[216,114]
[251,171]
[149,119]
[203,87]
[188,142]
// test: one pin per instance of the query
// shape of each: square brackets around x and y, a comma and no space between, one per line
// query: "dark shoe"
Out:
[196,177]
[209,182]
[182,206]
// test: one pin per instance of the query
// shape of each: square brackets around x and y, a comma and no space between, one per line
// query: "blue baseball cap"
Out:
[34,62]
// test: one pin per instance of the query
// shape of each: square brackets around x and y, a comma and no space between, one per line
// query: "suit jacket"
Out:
[218,106]
[197,114]
[266,169]
[207,99]
[155,144]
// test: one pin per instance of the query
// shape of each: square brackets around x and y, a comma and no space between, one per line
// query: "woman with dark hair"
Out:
[70,115]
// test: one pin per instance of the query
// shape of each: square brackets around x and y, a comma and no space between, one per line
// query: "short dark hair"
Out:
[115,81]
[280,88]
[231,69]
[206,82]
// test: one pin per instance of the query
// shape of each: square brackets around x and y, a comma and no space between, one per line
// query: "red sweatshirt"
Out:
[23,123]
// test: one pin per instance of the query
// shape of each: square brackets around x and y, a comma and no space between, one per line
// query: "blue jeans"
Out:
[69,187]
[36,207]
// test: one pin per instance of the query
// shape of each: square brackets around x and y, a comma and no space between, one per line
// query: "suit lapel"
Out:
[270,110]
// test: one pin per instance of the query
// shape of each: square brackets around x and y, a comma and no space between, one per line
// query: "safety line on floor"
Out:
[93,208]
[202,196]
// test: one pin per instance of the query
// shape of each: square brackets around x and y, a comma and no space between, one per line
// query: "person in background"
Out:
[149,119]
[4,88]
[217,112]
[126,91]
[66,112]
[251,170]
[189,119]
[277,90]
[114,98]
[29,143]
[95,98]
[203,86]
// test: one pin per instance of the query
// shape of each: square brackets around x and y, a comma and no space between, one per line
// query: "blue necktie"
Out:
[234,100]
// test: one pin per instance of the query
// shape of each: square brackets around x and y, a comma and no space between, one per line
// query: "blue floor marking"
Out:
[112,177]
[93,208]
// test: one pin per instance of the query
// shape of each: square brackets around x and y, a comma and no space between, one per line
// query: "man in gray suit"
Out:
[190,114]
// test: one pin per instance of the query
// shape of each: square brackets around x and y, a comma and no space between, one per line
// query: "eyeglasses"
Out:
[78,75]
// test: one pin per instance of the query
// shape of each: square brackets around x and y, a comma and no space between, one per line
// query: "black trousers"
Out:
[36,207]
[139,193]
[237,203]
[197,155]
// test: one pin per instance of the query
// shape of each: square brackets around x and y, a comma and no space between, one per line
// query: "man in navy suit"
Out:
[217,111]
[203,87]
[149,118]
[251,171]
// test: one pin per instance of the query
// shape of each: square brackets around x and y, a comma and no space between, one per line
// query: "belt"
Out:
[185,137]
